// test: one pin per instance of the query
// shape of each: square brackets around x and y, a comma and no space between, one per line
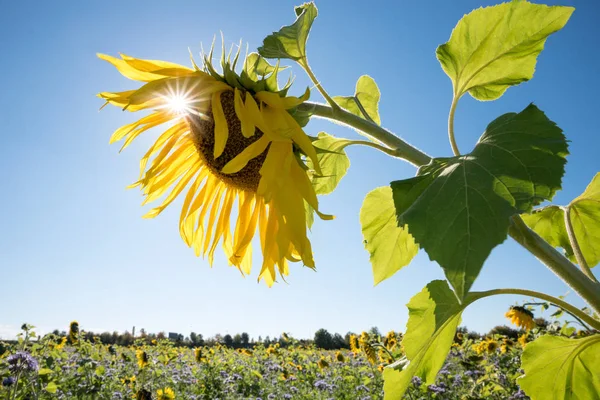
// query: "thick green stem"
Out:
[304,64]
[575,245]
[474,296]
[400,148]
[451,127]
[519,231]
[556,262]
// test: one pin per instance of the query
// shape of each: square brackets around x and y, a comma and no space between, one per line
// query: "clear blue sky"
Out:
[73,244]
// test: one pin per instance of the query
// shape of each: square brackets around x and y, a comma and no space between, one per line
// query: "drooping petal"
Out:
[221,131]
[250,152]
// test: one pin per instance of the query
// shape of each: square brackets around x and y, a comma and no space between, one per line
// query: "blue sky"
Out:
[73,244]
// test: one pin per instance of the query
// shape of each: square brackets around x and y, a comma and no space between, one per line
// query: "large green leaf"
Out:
[365,100]
[496,47]
[549,223]
[391,247]
[333,161]
[458,209]
[558,368]
[290,41]
[434,315]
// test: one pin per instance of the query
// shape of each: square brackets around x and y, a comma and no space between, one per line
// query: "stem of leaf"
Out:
[304,64]
[589,290]
[575,245]
[557,306]
[399,147]
[374,145]
[473,296]
[556,262]
[451,126]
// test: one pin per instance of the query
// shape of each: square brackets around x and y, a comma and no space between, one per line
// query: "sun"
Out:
[178,103]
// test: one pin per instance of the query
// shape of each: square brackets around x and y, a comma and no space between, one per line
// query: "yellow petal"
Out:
[284,103]
[306,189]
[250,152]
[176,190]
[248,127]
[186,204]
[128,71]
[221,228]
[221,130]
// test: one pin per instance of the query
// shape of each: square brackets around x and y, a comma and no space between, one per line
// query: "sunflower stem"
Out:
[451,126]
[574,311]
[399,148]
[575,245]
[556,262]
[519,231]
[304,64]
[557,306]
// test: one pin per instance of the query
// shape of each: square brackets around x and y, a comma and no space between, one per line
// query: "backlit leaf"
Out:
[290,41]
[549,223]
[561,368]
[391,247]
[366,97]
[458,209]
[333,161]
[434,315]
[495,47]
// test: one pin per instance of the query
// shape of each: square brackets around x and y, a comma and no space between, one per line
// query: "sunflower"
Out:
[165,394]
[521,317]
[142,358]
[231,139]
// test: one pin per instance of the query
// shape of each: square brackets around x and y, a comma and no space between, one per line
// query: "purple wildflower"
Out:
[7,382]
[22,361]
[517,396]
[438,389]
[416,381]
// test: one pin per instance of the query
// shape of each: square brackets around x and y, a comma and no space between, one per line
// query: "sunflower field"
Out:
[72,367]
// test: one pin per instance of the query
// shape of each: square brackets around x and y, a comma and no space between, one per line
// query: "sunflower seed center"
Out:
[203,134]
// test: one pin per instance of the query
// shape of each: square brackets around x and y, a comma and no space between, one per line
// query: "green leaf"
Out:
[391,247]
[365,100]
[562,368]
[549,223]
[458,210]
[496,47]
[434,315]
[51,387]
[45,371]
[290,41]
[333,161]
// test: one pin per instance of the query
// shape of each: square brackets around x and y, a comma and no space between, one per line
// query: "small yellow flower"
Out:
[523,339]
[322,363]
[142,358]
[380,368]
[165,394]
[521,317]
[354,344]
[73,332]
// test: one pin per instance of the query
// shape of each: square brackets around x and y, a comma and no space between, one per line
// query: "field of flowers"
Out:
[71,367]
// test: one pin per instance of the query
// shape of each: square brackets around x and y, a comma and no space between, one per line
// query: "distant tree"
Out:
[259,340]
[245,339]
[374,331]
[56,332]
[228,340]
[338,342]
[143,333]
[106,338]
[505,331]
[541,322]
[160,335]
[323,339]
[237,341]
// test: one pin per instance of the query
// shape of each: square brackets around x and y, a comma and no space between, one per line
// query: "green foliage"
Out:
[365,102]
[333,161]
[290,41]
[561,368]
[549,223]
[496,47]
[434,315]
[391,247]
[458,208]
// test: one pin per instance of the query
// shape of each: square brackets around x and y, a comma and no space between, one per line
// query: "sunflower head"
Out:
[165,394]
[521,317]
[142,358]
[233,139]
